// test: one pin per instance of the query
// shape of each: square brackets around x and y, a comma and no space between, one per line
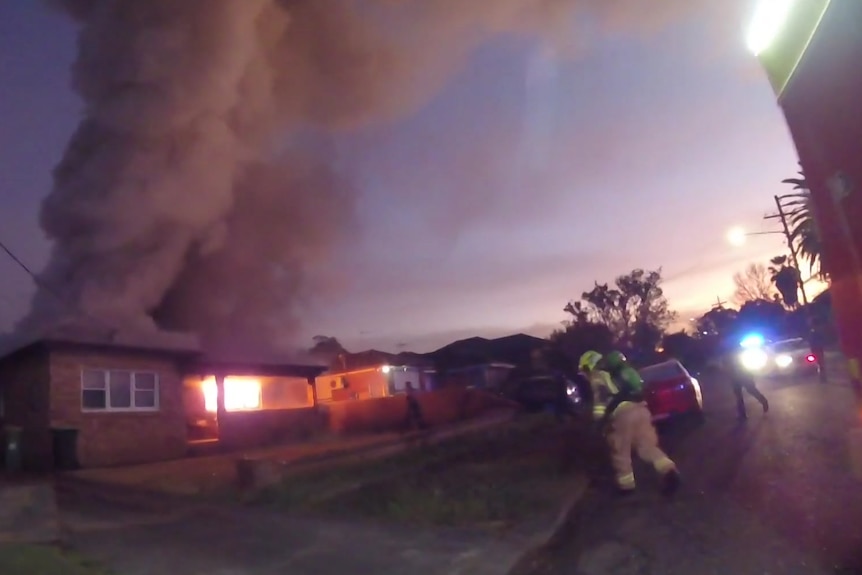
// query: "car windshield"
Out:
[662,372]
[788,346]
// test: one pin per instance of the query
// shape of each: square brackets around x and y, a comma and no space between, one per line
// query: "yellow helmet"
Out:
[589,360]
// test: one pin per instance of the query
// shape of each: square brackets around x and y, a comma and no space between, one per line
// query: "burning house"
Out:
[88,400]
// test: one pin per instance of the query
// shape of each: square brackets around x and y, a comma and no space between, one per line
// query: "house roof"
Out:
[246,366]
[496,364]
[513,349]
[374,357]
[173,343]
[178,344]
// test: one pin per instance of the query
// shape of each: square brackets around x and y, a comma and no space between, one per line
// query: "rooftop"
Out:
[70,334]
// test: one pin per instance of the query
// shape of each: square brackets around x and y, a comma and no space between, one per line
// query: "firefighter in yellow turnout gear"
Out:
[621,412]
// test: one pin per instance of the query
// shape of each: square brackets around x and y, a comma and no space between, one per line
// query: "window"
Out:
[662,372]
[117,390]
[789,346]
[240,393]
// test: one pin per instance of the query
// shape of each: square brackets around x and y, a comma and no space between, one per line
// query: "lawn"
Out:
[497,478]
[44,560]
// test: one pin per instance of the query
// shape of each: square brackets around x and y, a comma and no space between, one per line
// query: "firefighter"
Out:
[622,415]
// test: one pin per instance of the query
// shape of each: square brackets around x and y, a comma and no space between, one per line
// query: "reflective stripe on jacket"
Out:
[604,391]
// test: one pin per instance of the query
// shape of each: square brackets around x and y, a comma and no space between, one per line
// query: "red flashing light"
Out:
[810,358]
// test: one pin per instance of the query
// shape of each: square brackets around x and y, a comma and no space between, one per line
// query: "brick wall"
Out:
[240,429]
[24,379]
[390,413]
[116,438]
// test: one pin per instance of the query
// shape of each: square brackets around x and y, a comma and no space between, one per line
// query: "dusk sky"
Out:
[527,178]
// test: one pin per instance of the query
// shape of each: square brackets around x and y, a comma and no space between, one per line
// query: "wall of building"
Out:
[390,413]
[243,429]
[821,107]
[111,437]
[24,385]
[400,377]
[286,414]
[360,384]
[286,393]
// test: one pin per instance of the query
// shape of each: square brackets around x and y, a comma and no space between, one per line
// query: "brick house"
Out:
[133,401]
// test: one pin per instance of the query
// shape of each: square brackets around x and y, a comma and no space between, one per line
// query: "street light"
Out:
[779,34]
[769,18]
[737,236]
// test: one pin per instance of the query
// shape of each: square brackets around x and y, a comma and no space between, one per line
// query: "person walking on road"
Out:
[741,380]
[818,349]
[415,418]
[622,414]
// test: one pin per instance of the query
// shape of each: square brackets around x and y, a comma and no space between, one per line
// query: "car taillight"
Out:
[810,358]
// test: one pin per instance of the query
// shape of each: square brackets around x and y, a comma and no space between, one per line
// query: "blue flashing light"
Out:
[752,340]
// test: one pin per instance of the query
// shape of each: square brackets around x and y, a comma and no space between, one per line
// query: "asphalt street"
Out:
[775,495]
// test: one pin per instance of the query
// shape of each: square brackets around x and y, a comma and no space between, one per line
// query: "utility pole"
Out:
[781,215]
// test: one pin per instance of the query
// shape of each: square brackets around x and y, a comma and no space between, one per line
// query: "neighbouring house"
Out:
[372,373]
[488,376]
[483,363]
[383,380]
[120,400]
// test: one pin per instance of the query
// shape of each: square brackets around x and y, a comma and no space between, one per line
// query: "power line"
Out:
[62,300]
[18,261]
[33,276]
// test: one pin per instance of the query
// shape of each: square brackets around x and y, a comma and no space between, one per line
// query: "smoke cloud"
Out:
[200,191]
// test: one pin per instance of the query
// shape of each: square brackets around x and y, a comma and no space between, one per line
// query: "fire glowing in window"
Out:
[240,393]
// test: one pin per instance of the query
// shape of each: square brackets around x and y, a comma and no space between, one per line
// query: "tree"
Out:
[692,352]
[762,316]
[578,337]
[717,322]
[634,309]
[804,232]
[786,280]
[753,284]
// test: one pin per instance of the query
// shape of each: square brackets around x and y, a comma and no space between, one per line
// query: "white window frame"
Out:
[132,379]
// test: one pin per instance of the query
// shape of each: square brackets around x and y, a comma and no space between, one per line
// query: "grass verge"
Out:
[21,559]
[496,478]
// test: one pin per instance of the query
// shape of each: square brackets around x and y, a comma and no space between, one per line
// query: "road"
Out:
[772,496]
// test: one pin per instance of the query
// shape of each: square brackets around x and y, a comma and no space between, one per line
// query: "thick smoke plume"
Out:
[182,202]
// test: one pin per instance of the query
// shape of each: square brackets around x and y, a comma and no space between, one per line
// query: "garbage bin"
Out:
[65,449]
[12,450]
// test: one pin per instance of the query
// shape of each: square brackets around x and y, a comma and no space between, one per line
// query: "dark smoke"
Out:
[172,208]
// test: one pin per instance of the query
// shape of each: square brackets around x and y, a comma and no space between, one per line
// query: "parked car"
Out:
[671,390]
[539,392]
[780,358]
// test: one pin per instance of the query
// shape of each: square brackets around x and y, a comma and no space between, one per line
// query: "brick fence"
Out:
[390,413]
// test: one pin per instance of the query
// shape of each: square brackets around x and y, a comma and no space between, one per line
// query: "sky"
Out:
[529,176]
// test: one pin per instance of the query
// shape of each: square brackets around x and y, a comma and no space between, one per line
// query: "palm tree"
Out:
[786,280]
[803,227]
